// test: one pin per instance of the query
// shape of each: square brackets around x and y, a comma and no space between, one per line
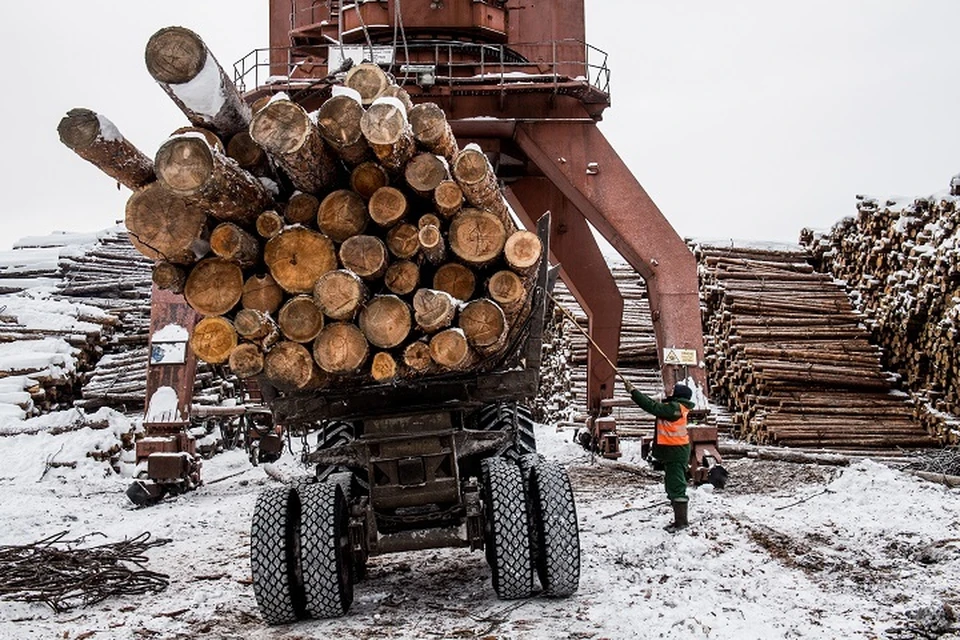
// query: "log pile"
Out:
[900,261]
[787,352]
[361,245]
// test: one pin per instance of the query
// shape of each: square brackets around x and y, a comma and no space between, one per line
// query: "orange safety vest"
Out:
[673,434]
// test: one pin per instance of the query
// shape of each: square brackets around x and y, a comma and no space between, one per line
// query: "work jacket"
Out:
[671,417]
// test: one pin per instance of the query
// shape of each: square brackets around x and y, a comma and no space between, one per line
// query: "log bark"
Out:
[479,183]
[476,237]
[339,294]
[339,122]
[297,256]
[424,173]
[367,177]
[212,138]
[369,80]
[262,293]
[432,131]
[388,206]
[484,325]
[302,209]
[342,214]
[214,286]
[456,279]
[169,276]
[522,252]
[383,368]
[258,327]
[448,198]
[341,348]
[402,277]
[300,319]
[289,366]
[433,310]
[450,349]
[288,135]
[165,226]
[365,255]
[388,133]
[246,360]
[385,321]
[98,141]
[403,240]
[180,62]
[269,223]
[232,243]
[213,339]
[188,167]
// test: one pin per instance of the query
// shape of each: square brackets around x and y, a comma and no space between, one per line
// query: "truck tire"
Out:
[325,555]
[336,434]
[273,555]
[557,533]
[502,417]
[507,529]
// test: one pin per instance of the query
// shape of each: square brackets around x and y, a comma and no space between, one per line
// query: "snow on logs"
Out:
[377,251]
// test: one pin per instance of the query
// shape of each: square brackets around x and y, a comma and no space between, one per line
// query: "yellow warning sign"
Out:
[680,356]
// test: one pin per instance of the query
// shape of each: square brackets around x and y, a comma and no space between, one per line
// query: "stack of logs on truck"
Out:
[357,243]
[900,260]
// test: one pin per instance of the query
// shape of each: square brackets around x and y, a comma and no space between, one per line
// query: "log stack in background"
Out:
[789,354]
[355,244]
[900,261]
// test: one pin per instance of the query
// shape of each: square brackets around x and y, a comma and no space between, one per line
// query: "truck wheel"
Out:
[336,434]
[273,555]
[501,417]
[325,550]
[558,537]
[508,537]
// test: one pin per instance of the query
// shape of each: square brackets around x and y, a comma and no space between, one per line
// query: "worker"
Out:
[671,444]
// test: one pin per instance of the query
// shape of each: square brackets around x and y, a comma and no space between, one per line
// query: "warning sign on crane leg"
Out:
[680,356]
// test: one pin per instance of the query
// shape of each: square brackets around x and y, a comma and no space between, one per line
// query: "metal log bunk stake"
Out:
[573,319]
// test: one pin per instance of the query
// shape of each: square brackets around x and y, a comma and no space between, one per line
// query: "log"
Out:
[248,154]
[365,255]
[232,243]
[506,288]
[383,367]
[297,256]
[433,310]
[168,276]
[432,131]
[188,167]
[388,133]
[416,356]
[212,138]
[339,122]
[369,80]
[424,173]
[300,319]
[339,294]
[398,92]
[302,209]
[164,226]
[286,132]
[402,277]
[479,183]
[484,325]
[246,360]
[214,286]
[476,237]
[289,366]
[456,279]
[98,141]
[522,252]
[269,224]
[341,348]
[182,65]
[385,321]
[258,327]
[432,246]
[342,214]
[261,293]
[449,349]
[428,219]
[213,339]
[387,206]
[367,177]
[403,240]
[448,198]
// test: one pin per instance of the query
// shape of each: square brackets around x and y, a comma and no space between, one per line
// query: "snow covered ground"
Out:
[785,551]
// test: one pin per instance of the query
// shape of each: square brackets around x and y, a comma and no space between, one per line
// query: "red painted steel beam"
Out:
[168,308]
[584,270]
[580,161]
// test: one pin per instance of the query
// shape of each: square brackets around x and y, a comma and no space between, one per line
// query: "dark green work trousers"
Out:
[675,461]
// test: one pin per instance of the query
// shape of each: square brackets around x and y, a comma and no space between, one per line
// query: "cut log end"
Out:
[402,277]
[385,321]
[387,206]
[367,177]
[365,255]
[341,348]
[369,80]
[477,237]
[456,279]
[342,214]
[450,349]
[523,250]
[339,294]
[300,319]
[175,55]
[214,286]
[383,367]
[297,256]
[184,164]
[403,240]
[262,293]
[213,339]
[289,366]
[246,360]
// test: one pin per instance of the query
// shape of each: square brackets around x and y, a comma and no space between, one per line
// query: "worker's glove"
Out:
[629,386]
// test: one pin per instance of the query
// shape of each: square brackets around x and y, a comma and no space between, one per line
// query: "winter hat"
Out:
[682,392]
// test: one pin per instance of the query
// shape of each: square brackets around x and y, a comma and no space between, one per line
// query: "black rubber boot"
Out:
[679,517]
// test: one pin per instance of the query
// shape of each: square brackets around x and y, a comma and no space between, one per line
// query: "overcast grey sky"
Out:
[749,119]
